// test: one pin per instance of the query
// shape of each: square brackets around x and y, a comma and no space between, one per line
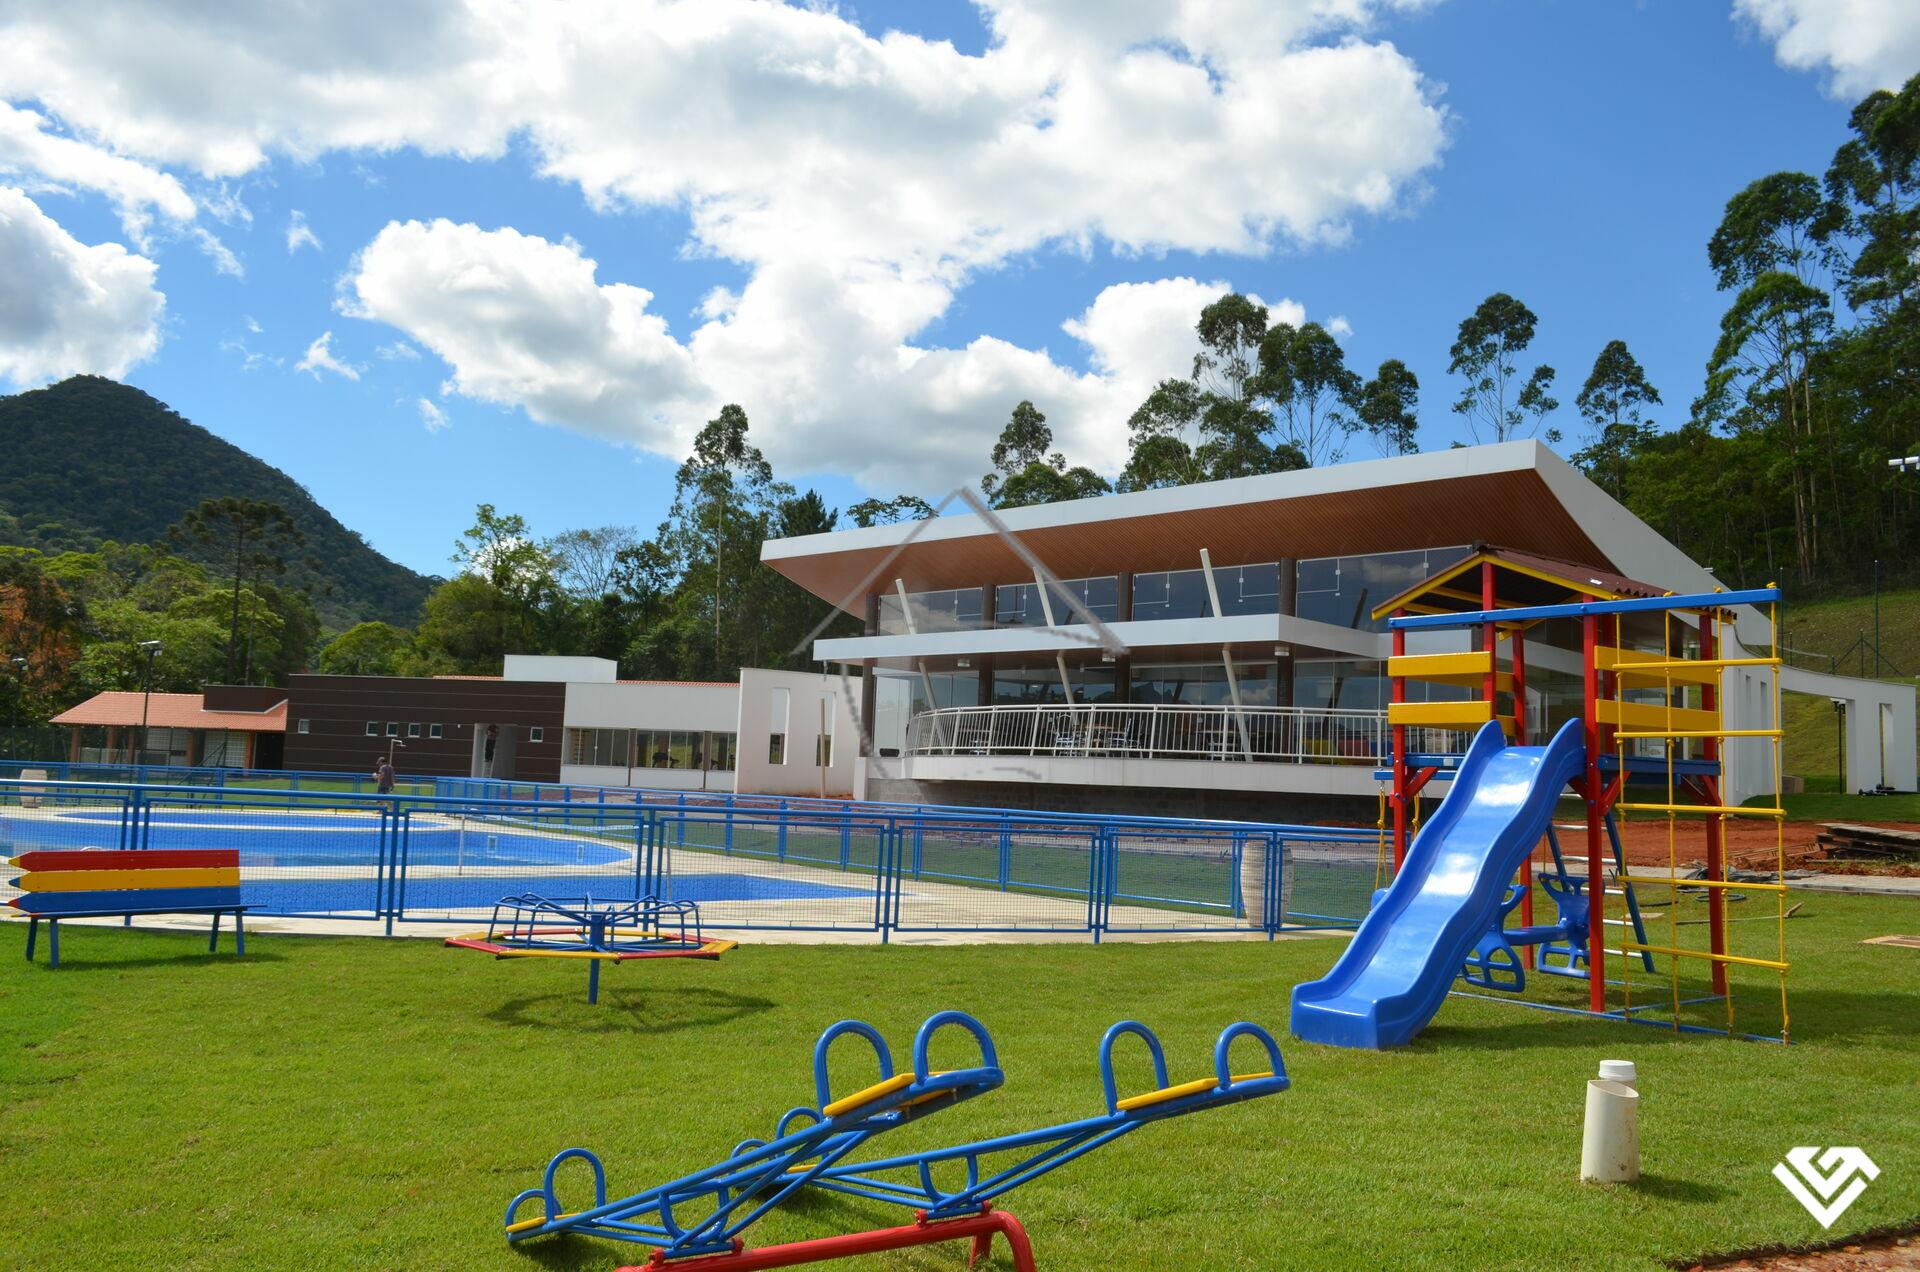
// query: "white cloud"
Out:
[859,181]
[431,415]
[253,325]
[523,322]
[300,234]
[28,150]
[398,351]
[319,357]
[1861,44]
[224,261]
[67,307]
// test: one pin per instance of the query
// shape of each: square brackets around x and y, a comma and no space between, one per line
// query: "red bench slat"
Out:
[132,859]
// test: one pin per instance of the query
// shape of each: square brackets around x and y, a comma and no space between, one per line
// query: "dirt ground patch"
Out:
[1878,1254]
[1750,844]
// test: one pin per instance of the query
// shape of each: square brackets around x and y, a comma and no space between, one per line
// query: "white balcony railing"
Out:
[1284,735]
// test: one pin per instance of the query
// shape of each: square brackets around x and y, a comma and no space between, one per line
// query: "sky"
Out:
[426,254]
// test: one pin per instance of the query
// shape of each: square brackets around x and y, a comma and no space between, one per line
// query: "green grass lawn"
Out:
[353,1102]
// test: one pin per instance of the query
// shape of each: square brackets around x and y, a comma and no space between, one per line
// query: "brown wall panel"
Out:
[337,709]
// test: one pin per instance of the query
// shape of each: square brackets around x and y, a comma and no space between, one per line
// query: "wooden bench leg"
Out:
[213,937]
[33,930]
[239,932]
[53,942]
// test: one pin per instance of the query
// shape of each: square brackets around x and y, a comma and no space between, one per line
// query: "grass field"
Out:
[358,1103]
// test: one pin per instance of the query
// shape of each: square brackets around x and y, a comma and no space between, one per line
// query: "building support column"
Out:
[869,703]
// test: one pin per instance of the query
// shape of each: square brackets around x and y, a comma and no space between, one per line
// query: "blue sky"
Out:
[1579,157]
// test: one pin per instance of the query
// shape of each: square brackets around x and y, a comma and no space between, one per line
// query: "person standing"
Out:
[383,775]
[493,740]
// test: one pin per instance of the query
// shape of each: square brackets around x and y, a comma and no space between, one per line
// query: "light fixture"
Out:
[963,663]
[1283,651]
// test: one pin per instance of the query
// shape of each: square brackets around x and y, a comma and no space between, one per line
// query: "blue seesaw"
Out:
[814,1148]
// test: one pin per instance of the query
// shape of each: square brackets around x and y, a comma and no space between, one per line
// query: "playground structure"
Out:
[95,883]
[815,1147]
[1457,880]
[533,926]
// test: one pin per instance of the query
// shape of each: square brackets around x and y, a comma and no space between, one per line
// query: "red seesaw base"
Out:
[980,1227]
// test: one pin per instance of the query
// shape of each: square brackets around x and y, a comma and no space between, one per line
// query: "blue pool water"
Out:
[426,896]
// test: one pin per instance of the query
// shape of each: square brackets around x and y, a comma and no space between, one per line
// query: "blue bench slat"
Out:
[151,900]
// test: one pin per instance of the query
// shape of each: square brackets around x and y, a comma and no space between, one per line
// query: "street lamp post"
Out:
[152,649]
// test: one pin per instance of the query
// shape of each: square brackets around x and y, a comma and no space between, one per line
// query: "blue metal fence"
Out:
[829,865]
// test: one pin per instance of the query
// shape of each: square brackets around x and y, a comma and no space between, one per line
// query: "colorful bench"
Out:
[93,883]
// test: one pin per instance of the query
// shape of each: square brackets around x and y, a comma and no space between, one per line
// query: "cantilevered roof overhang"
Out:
[1519,494]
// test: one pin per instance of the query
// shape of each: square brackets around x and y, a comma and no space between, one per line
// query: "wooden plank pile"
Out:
[1844,839]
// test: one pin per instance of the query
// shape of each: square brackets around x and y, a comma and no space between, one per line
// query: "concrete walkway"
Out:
[1861,885]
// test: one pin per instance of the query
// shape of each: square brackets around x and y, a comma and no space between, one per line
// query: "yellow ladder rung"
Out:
[1709,955]
[1726,809]
[1701,733]
[1704,883]
[1628,668]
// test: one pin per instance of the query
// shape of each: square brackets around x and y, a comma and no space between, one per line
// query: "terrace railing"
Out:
[1274,735]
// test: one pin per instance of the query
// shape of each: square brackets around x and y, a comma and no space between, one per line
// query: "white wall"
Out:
[1875,754]
[560,667]
[805,692]
[702,707]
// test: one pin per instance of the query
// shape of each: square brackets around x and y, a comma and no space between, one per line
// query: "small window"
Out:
[534,735]
[393,729]
[777,748]
[305,726]
[413,730]
[433,731]
[373,728]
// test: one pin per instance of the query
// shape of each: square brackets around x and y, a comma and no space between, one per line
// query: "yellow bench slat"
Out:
[126,880]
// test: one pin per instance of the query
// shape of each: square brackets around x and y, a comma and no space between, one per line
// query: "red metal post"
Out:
[1399,692]
[1596,810]
[1716,826]
[980,1228]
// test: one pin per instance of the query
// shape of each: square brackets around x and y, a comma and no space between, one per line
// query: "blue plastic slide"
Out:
[1398,968]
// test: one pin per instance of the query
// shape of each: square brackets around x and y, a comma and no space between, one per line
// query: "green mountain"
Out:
[90,459]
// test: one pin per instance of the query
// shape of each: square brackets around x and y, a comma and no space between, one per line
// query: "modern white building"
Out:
[572,720]
[1212,649]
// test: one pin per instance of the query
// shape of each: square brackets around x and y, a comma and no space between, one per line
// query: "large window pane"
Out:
[1020,604]
[1344,591]
[953,610]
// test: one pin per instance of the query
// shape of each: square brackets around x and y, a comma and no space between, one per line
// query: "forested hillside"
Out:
[90,460]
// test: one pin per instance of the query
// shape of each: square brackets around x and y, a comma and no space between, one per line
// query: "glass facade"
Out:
[651,748]
[1344,590]
[1020,604]
[954,610]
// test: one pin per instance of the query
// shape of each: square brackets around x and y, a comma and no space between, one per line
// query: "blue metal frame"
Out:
[899,838]
[1580,609]
[811,1147]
